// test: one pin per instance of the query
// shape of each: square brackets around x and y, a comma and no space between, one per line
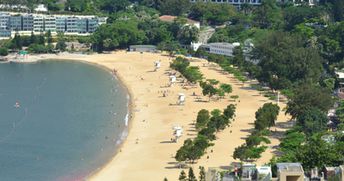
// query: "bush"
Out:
[37,48]
[3,51]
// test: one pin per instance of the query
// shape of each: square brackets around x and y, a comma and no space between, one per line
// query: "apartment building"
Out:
[238,3]
[27,22]
[38,23]
[220,48]
[61,22]
[10,23]
[50,23]
[4,25]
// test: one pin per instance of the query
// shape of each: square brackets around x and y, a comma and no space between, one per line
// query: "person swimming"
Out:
[17,105]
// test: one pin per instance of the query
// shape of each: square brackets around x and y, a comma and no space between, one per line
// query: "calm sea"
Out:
[70,120]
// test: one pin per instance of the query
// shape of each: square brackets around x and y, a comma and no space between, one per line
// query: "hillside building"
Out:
[11,23]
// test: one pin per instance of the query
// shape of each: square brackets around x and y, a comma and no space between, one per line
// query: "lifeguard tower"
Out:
[181,99]
[173,79]
[177,132]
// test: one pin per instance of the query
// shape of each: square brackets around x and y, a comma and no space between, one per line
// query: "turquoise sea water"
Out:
[70,120]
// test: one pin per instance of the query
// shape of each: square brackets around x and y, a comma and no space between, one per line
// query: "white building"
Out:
[220,48]
[233,2]
[4,20]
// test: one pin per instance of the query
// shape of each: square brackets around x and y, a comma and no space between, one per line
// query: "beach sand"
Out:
[148,151]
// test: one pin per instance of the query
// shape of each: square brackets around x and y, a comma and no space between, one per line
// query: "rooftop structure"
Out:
[290,172]
[264,173]
[248,172]
[142,48]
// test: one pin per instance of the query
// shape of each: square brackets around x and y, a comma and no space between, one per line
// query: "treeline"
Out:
[211,87]
[43,43]
[207,124]
[191,73]
[309,141]
[252,148]
[124,32]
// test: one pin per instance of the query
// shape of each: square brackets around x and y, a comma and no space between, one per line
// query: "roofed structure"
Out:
[290,172]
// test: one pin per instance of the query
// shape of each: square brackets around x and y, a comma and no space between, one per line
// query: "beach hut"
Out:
[181,98]
[142,48]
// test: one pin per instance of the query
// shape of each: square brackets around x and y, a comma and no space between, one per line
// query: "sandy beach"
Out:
[148,151]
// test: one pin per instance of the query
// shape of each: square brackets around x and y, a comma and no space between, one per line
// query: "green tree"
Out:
[208,89]
[119,34]
[227,88]
[49,37]
[37,48]
[41,39]
[33,38]
[268,15]
[188,34]
[294,15]
[76,5]
[191,175]
[308,96]
[61,42]
[182,176]
[3,51]
[202,119]
[17,42]
[312,121]
[338,9]
[212,13]
[285,61]
[183,152]
[208,132]
[247,153]
[113,6]
[292,141]
[266,116]
[193,74]
[174,7]
[255,140]
[201,173]
[317,153]
[229,111]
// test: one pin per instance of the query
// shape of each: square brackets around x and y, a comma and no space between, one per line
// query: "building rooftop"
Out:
[340,74]
[289,167]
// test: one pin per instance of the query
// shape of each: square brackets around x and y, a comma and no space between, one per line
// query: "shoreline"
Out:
[130,104]
[153,156]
